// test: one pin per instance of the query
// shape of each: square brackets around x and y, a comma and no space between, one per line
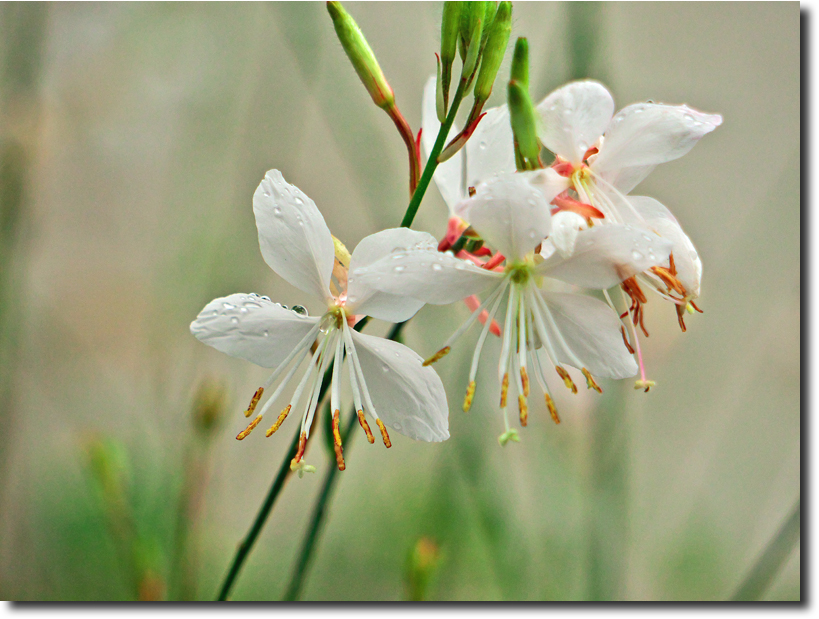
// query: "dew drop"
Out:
[299,309]
[636,255]
[298,200]
[234,320]
[277,211]
[385,368]
[397,256]
[482,145]
[396,426]
[265,298]
[243,310]
[398,269]
[436,266]
[646,237]
[228,306]
[266,333]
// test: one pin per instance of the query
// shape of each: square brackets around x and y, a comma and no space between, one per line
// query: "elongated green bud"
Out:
[489,12]
[473,21]
[493,52]
[520,63]
[361,55]
[450,29]
[524,125]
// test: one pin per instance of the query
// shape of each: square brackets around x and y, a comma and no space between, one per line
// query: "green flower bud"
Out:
[524,126]
[493,52]
[209,406]
[473,20]
[450,28]
[361,55]
[520,63]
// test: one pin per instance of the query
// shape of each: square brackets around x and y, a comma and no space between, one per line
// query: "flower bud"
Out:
[524,126]
[520,63]
[361,55]
[493,52]
[209,406]
[450,28]
[473,22]
[422,564]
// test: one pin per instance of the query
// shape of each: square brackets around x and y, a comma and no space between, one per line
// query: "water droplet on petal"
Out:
[436,266]
[234,320]
[277,211]
[299,309]
[636,255]
[396,425]
[385,368]
[266,333]
[243,310]
[482,145]
[228,306]
[298,200]
[398,269]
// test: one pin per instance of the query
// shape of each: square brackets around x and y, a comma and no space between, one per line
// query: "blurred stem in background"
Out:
[23,38]
[423,561]
[762,574]
[107,462]
[206,417]
[585,25]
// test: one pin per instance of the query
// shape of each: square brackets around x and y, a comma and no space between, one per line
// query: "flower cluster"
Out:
[525,241]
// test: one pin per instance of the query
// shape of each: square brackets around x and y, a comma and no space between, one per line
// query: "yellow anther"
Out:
[366,427]
[279,421]
[470,393]
[504,390]
[337,442]
[254,401]
[551,406]
[384,434]
[567,380]
[249,428]
[524,379]
[644,384]
[590,383]
[524,410]
[436,356]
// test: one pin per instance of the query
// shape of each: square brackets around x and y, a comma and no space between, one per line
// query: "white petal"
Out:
[408,397]
[449,175]
[605,255]
[591,329]
[427,275]
[364,299]
[293,237]
[251,328]
[646,134]
[509,213]
[574,117]
[686,259]
[549,182]
[565,227]
[491,149]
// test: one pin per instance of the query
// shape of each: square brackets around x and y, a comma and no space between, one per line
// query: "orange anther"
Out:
[625,339]
[590,383]
[524,410]
[504,390]
[249,428]
[384,434]
[436,356]
[470,393]
[551,406]
[524,379]
[300,450]
[567,380]
[366,427]
[337,442]
[254,401]
[279,421]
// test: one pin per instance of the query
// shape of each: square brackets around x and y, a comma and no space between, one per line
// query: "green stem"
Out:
[248,542]
[320,509]
[432,162]
[763,572]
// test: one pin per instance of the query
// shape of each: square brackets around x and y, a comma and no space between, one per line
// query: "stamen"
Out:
[304,344]
[638,298]
[279,421]
[694,305]
[470,393]
[294,463]
[567,380]
[504,390]
[524,410]
[337,442]
[365,426]
[671,282]
[590,381]
[680,314]
[551,406]
[249,428]
[384,434]
[254,401]
[524,377]
[473,369]
[625,339]
[648,384]
[437,356]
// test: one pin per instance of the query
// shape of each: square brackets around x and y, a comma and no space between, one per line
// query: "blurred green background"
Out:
[133,137]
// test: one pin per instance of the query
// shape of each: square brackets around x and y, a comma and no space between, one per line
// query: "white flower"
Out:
[387,379]
[513,217]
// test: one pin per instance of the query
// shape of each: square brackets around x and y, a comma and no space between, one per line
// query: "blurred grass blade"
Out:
[758,580]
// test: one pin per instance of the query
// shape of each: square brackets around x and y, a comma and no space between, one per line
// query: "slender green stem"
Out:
[432,162]
[320,509]
[247,543]
[758,580]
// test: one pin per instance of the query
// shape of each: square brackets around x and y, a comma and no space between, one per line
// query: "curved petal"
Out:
[509,213]
[574,117]
[491,149]
[251,327]
[364,299]
[449,175]
[408,397]
[591,330]
[566,225]
[646,134]
[605,255]
[295,241]
[427,275]
[549,182]
[686,259]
